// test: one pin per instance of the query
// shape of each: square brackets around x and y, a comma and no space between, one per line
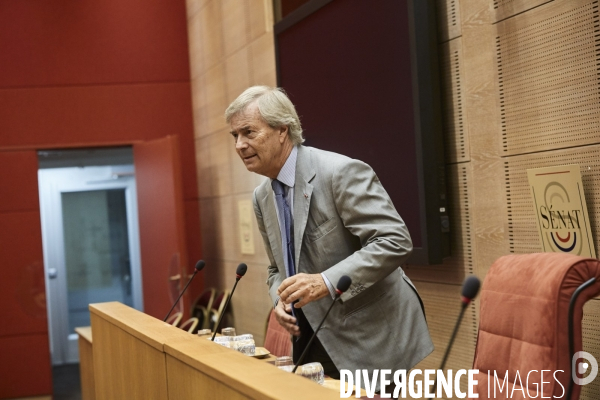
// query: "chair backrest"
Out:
[190,325]
[277,339]
[174,319]
[217,309]
[201,306]
[220,301]
[524,308]
[205,299]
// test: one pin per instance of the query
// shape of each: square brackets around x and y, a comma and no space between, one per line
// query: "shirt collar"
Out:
[287,175]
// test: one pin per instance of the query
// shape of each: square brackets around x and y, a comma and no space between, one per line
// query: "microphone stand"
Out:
[452,337]
[337,296]
[225,308]
[181,294]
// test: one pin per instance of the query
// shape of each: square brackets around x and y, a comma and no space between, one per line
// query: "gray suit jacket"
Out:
[346,224]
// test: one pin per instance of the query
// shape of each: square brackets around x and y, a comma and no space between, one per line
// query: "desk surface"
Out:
[85,332]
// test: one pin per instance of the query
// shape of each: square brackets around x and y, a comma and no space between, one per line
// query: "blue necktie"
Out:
[288,249]
[284,210]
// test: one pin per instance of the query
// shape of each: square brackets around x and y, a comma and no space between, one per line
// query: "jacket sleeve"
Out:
[274,278]
[368,213]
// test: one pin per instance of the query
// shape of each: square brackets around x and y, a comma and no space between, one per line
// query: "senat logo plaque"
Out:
[561,211]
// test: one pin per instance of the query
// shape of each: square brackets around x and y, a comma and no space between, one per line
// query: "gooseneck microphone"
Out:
[343,285]
[470,289]
[199,265]
[241,271]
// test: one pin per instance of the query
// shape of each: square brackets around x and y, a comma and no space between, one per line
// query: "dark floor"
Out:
[65,379]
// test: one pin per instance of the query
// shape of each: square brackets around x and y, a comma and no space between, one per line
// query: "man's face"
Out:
[261,148]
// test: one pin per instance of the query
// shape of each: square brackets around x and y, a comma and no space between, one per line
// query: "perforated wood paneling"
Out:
[591,344]
[460,264]
[442,307]
[448,19]
[508,8]
[456,139]
[547,62]
[523,236]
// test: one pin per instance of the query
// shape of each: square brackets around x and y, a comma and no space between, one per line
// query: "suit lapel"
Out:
[302,195]
[272,226]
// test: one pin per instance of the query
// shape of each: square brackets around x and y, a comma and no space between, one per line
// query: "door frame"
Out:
[52,183]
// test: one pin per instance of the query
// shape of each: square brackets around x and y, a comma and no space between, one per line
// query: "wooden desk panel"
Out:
[196,369]
[136,356]
[86,363]
[124,366]
[129,360]
[189,383]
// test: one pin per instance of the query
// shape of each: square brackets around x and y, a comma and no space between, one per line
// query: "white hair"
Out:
[274,106]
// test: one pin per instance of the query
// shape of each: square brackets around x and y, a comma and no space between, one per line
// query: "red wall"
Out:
[24,354]
[79,73]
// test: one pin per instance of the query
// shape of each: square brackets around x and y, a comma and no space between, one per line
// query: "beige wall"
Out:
[516,76]
[231,48]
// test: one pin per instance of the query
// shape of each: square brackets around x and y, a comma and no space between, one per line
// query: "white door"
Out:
[91,247]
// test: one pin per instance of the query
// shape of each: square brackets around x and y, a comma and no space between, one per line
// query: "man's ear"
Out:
[283,133]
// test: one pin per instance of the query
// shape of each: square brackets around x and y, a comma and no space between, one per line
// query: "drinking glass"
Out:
[285,363]
[228,331]
[314,372]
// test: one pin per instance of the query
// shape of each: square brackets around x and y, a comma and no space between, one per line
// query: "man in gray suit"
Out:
[323,215]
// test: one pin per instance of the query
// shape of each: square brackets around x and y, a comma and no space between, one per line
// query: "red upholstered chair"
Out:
[524,322]
[277,339]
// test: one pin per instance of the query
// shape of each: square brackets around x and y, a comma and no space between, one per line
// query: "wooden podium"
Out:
[136,356]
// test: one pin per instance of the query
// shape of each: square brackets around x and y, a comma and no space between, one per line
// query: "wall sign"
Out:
[245,215]
[561,211]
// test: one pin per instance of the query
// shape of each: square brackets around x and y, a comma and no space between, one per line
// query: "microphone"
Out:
[470,289]
[199,265]
[240,271]
[343,285]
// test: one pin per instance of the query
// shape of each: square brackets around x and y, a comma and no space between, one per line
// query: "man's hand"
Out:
[285,319]
[303,287]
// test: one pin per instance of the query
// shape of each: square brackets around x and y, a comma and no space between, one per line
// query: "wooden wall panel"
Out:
[507,8]
[448,19]
[480,102]
[231,48]
[442,307]
[523,235]
[460,264]
[547,80]
[193,244]
[456,138]
[564,77]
